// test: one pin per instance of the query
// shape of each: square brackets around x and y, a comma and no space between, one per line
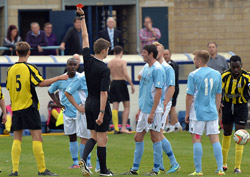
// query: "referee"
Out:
[97,108]
[235,86]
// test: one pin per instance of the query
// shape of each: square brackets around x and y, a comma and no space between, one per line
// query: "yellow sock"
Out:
[226,142]
[39,155]
[115,119]
[15,154]
[8,124]
[54,113]
[238,155]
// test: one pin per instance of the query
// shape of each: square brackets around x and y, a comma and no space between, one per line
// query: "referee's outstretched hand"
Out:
[79,11]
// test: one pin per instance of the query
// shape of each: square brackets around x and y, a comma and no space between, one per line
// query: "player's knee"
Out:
[72,138]
[137,138]
[227,132]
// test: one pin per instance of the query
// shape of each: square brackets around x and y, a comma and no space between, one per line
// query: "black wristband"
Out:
[82,17]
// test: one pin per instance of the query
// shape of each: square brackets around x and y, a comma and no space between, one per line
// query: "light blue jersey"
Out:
[207,83]
[79,85]
[152,78]
[61,85]
[169,79]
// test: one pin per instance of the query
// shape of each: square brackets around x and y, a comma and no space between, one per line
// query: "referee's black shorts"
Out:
[238,113]
[92,110]
[26,119]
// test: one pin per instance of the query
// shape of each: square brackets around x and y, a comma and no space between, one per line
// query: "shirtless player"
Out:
[119,90]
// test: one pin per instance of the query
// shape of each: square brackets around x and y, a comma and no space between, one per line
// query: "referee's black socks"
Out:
[88,148]
[101,153]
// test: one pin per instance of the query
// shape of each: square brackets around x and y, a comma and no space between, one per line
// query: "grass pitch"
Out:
[120,152]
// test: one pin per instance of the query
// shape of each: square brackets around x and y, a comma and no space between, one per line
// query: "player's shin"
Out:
[15,154]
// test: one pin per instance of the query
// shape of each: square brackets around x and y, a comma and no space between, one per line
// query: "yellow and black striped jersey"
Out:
[21,80]
[1,94]
[235,90]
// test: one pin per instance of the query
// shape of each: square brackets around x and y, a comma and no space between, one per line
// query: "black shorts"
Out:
[118,91]
[238,115]
[92,110]
[174,98]
[26,119]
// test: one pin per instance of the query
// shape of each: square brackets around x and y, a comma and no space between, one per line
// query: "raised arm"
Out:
[85,36]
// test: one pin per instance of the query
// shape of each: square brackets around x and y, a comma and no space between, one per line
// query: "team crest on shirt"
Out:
[159,83]
[239,85]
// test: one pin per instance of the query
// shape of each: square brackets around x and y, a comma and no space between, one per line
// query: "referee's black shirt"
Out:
[97,74]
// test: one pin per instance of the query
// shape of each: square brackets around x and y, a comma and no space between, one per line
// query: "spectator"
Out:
[175,124]
[51,37]
[36,38]
[148,35]
[114,36]
[79,66]
[73,37]
[11,40]
[216,61]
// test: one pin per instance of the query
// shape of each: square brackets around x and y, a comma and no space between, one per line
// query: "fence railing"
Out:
[43,47]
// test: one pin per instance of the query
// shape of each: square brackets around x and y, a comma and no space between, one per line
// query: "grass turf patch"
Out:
[120,152]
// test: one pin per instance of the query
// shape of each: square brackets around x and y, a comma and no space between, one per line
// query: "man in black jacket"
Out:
[73,37]
[114,36]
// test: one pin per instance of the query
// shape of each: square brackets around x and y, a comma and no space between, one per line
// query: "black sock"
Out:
[101,153]
[88,148]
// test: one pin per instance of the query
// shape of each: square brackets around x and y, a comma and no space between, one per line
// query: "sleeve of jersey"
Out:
[219,90]
[53,87]
[36,77]
[158,76]
[86,55]
[190,85]
[170,77]
[74,86]
[105,80]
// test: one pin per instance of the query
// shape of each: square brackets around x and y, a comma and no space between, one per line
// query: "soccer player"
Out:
[119,89]
[235,86]
[79,85]
[204,88]
[175,124]
[69,114]
[22,78]
[97,108]
[150,110]
[168,91]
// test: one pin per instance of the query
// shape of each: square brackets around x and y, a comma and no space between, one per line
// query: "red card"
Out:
[80,5]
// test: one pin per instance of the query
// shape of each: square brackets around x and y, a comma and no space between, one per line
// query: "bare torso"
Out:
[116,67]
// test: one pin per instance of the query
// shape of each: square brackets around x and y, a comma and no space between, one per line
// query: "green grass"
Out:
[120,152]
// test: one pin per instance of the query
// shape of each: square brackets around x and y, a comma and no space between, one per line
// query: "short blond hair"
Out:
[203,55]
[159,44]
[22,49]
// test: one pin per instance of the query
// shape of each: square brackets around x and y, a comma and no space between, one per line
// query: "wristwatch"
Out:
[102,111]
